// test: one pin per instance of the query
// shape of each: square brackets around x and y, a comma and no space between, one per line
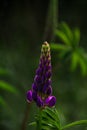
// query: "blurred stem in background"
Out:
[51,25]
[51,21]
[24,123]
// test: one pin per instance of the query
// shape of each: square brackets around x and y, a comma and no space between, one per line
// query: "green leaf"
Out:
[65,28]
[69,37]
[59,47]
[76,36]
[62,37]
[78,58]
[45,128]
[81,122]
[83,65]
[47,118]
[52,112]
[50,117]
[8,87]
[74,60]
[32,124]
[82,61]
[64,51]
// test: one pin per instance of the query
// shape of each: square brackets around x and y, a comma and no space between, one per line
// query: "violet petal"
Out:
[34,95]
[37,79]
[48,74]
[34,87]
[29,96]
[50,101]
[45,88]
[39,101]
[38,71]
[49,90]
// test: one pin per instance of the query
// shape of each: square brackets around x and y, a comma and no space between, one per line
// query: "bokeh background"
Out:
[24,25]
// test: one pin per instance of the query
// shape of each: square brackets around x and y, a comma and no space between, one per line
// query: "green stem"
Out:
[39,120]
[51,20]
[74,124]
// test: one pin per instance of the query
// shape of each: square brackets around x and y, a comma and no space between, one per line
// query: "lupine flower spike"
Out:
[41,91]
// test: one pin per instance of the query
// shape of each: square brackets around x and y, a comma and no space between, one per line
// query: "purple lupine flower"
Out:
[41,91]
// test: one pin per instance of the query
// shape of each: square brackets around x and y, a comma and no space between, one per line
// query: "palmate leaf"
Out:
[76,36]
[59,47]
[64,50]
[68,36]
[65,55]
[5,86]
[70,51]
[47,119]
[51,112]
[62,37]
[40,123]
[83,65]
[50,118]
[65,34]
[74,60]
[67,31]
[78,59]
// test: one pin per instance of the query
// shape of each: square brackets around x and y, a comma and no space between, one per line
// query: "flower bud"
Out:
[39,102]
[50,101]
[29,96]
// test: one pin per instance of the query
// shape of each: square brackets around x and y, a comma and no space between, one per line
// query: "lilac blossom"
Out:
[41,91]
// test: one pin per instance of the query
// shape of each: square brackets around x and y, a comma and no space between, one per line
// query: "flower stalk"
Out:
[41,94]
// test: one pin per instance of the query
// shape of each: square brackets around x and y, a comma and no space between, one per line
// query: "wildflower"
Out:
[41,91]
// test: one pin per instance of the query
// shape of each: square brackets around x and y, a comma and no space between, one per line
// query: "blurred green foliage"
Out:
[6,87]
[70,49]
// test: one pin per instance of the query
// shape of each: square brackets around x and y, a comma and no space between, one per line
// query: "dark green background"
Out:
[22,27]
